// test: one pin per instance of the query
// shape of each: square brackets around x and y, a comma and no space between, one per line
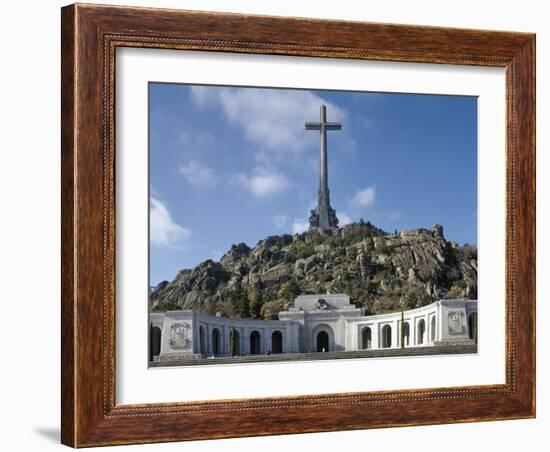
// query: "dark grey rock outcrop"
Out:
[381,272]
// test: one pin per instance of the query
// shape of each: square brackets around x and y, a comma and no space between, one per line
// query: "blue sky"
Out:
[230,165]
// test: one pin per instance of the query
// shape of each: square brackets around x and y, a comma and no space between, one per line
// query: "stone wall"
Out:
[186,334]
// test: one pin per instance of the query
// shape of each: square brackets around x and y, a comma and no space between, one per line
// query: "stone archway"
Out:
[255,343]
[235,342]
[421,331]
[406,334]
[155,342]
[472,326]
[366,338]
[202,340]
[432,329]
[277,342]
[386,336]
[216,343]
[322,339]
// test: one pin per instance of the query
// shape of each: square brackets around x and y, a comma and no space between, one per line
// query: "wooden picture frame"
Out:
[90,36]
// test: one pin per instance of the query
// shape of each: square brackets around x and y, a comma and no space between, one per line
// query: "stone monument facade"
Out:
[316,323]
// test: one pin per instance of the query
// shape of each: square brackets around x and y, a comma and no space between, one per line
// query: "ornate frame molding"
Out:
[90,36]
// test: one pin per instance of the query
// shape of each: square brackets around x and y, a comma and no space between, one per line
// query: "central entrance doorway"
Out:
[322,341]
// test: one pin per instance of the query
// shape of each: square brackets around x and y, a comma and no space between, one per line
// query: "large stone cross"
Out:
[324,215]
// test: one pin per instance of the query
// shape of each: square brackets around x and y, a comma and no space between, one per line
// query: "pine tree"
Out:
[256,304]
[240,301]
[244,304]
[234,298]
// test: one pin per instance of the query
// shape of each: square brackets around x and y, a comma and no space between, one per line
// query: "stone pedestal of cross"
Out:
[323,215]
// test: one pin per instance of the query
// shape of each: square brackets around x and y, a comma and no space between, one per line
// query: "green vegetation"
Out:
[456,290]
[303,250]
[271,309]
[338,242]
[240,301]
[256,303]
[415,298]
[384,249]
[300,250]
[289,290]
[170,305]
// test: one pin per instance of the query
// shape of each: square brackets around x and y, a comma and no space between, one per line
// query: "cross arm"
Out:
[313,126]
[326,125]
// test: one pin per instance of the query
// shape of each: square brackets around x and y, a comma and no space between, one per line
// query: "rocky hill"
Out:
[381,272]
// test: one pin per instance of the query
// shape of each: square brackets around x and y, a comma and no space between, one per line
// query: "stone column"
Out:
[375,335]
[395,334]
[241,340]
[208,339]
[246,339]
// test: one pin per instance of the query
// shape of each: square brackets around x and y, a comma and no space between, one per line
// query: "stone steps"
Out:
[378,353]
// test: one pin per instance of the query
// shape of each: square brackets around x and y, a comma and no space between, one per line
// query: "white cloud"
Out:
[197,173]
[279,221]
[365,197]
[263,182]
[164,231]
[300,226]
[271,119]
[196,141]
[343,219]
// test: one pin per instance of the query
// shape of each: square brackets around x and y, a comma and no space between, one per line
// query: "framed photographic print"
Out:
[317,280]
[281,225]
